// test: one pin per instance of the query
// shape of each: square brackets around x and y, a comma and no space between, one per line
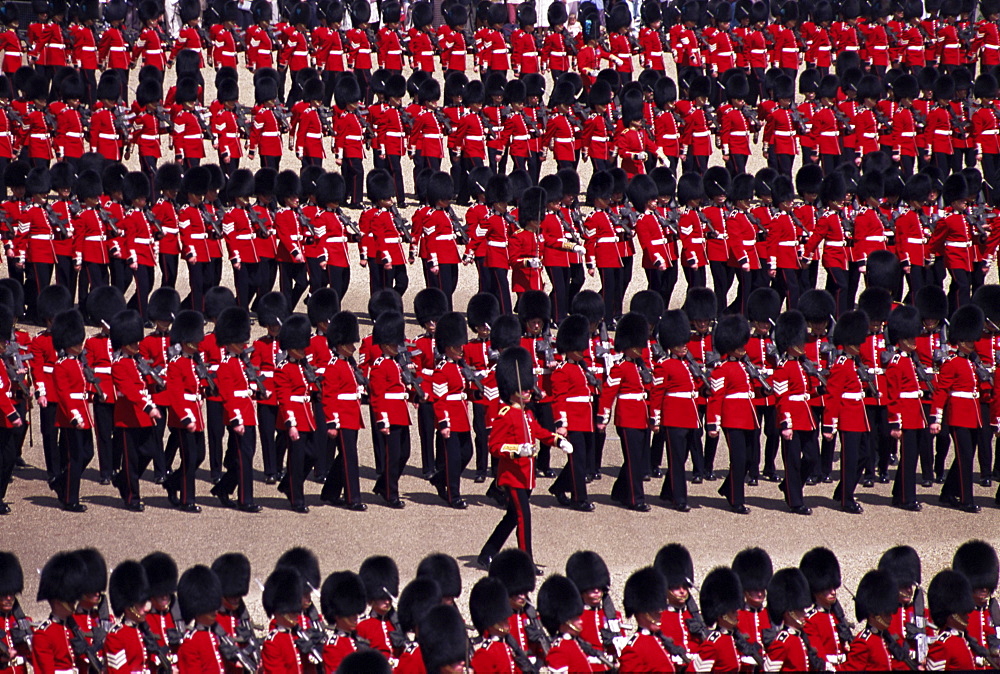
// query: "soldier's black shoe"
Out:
[811,481]
[224,498]
[395,504]
[682,507]
[303,509]
[335,501]
[696,479]
[20,463]
[159,479]
[497,494]
[882,478]
[250,508]
[549,473]
[459,504]
[538,571]
[75,508]
[927,483]
[136,507]
[561,497]
[773,477]
[656,473]
[582,506]
[484,561]
[172,497]
[752,482]
[802,510]
[939,479]
[710,476]
[741,510]
[270,479]
[913,507]
[357,507]
[104,480]
[189,508]
[827,479]
[868,483]
[853,508]
[480,478]
[4,508]
[986,482]
[970,508]
[640,507]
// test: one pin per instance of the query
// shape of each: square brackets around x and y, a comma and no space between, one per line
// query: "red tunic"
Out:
[731,402]
[133,403]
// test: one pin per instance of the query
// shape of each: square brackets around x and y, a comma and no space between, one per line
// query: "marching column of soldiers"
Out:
[746,616]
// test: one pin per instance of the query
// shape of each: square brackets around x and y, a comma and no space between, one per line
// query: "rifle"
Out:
[307,223]
[915,630]
[161,652]
[402,226]
[534,631]
[15,356]
[697,370]
[470,375]
[201,114]
[982,372]
[710,230]
[710,121]
[146,369]
[603,350]
[813,370]
[155,223]
[922,373]
[214,223]
[359,378]
[92,378]
[282,117]
[108,221]
[162,118]
[20,634]
[257,222]
[243,117]
[59,224]
[369,132]
[801,123]
[696,625]
[254,376]
[755,373]
[325,119]
[204,373]
[410,379]
[83,649]
[230,650]
[866,377]
[122,119]
[461,235]
[544,348]
[977,217]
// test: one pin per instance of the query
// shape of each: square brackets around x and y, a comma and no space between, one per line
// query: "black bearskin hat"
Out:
[674,329]
[343,595]
[588,571]
[482,310]
[903,563]
[198,592]
[787,591]
[904,323]
[283,591]
[322,304]
[442,638]
[753,566]
[966,324]
[62,578]
[451,331]
[649,304]
[721,593]
[161,571]
[11,575]
[558,602]
[128,587]
[103,303]
[851,329]
[305,562]
[188,328]
[418,597]
[731,333]
[233,570]
[380,577]
[515,569]
[674,561]
[443,569]
[949,593]
[789,331]
[217,300]
[67,330]
[877,594]
[700,304]
[977,561]
[821,569]
[272,309]
[488,604]
[573,334]
[645,592]
[588,303]
[343,329]
[389,329]
[514,372]
[632,332]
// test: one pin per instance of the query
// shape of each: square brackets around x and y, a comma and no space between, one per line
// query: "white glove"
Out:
[565,445]
[527,449]
[580,249]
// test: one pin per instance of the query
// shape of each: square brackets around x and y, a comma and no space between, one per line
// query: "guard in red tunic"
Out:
[787,602]
[135,412]
[282,600]
[17,628]
[342,600]
[380,577]
[390,396]
[826,626]
[721,597]
[237,392]
[164,614]
[125,647]
[977,561]
[184,413]
[451,410]
[794,389]
[753,566]
[497,651]
[949,599]
[648,649]
[70,392]
[59,585]
[560,609]
[199,596]
[730,406]
[875,602]
[956,392]
[601,621]
[352,133]
[233,570]
[269,122]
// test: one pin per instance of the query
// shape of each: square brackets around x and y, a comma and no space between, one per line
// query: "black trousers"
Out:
[192,451]
[722,280]
[395,168]
[243,281]
[137,447]
[850,454]
[678,442]
[481,439]
[78,449]
[397,278]
[343,477]
[499,286]
[168,270]
[446,280]
[611,288]
[960,290]
[164,460]
[733,486]
[544,416]
[453,455]
[8,457]
[904,488]
[92,275]
[387,484]
[628,488]
[879,443]
[958,483]
[517,517]
[573,477]
[51,446]
[317,274]
[695,276]
[338,278]
[796,467]
[215,427]
[837,285]
[354,175]
[301,459]
[577,277]
[239,465]
[197,272]
[425,433]
[322,454]
[293,281]
[272,451]
[104,426]
[559,278]
[143,287]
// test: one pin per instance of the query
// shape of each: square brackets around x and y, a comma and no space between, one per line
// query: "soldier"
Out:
[490,611]
[601,622]
[481,313]
[787,603]
[282,600]
[269,121]
[977,561]
[843,413]
[199,595]
[102,306]
[380,577]
[949,598]
[343,601]
[721,596]
[126,646]
[875,603]
[17,629]
[826,625]
[763,307]
[753,566]
[91,620]
[59,584]
[136,413]
[956,388]
[389,396]
[648,649]
[309,632]
[12,408]
[182,406]
[516,570]
[451,414]
[910,622]
[560,609]
[443,641]
[164,614]
[233,570]
[73,418]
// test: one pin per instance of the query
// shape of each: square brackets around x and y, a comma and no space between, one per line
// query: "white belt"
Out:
[473,138]
[600,139]
[199,236]
[568,140]
[244,394]
[270,133]
[300,399]
[425,53]
[739,133]
[530,53]
[154,51]
[143,242]
[362,51]
[116,49]
[39,135]
[193,397]
[729,53]
[875,238]
[787,243]
[824,47]
[355,137]
[751,242]
[300,53]
[170,230]
[910,394]
[784,133]
[332,239]
[149,136]
[958,244]
[853,396]
[652,53]
[42,237]
[429,371]
[399,134]
[189,136]
[632,396]
[991,46]
[114,136]
[917,241]
[244,237]
[698,240]
[965,394]
[702,133]
[347,396]
[393,52]
[943,132]
[14,53]
[829,133]
[579,399]
[562,53]
[48,369]
[512,137]
[800,398]
[395,396]
[880,47]
[790,50]
[913,134]
[455,397]
[78,396]
[683,394]
[93,238]
[657,242]
[73,134]
[991,132]
[835,244]
[432,135]
[314,135]
[102,370]
[444,237]
[497,244]
[608,239]
[394,239]
[745,395]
